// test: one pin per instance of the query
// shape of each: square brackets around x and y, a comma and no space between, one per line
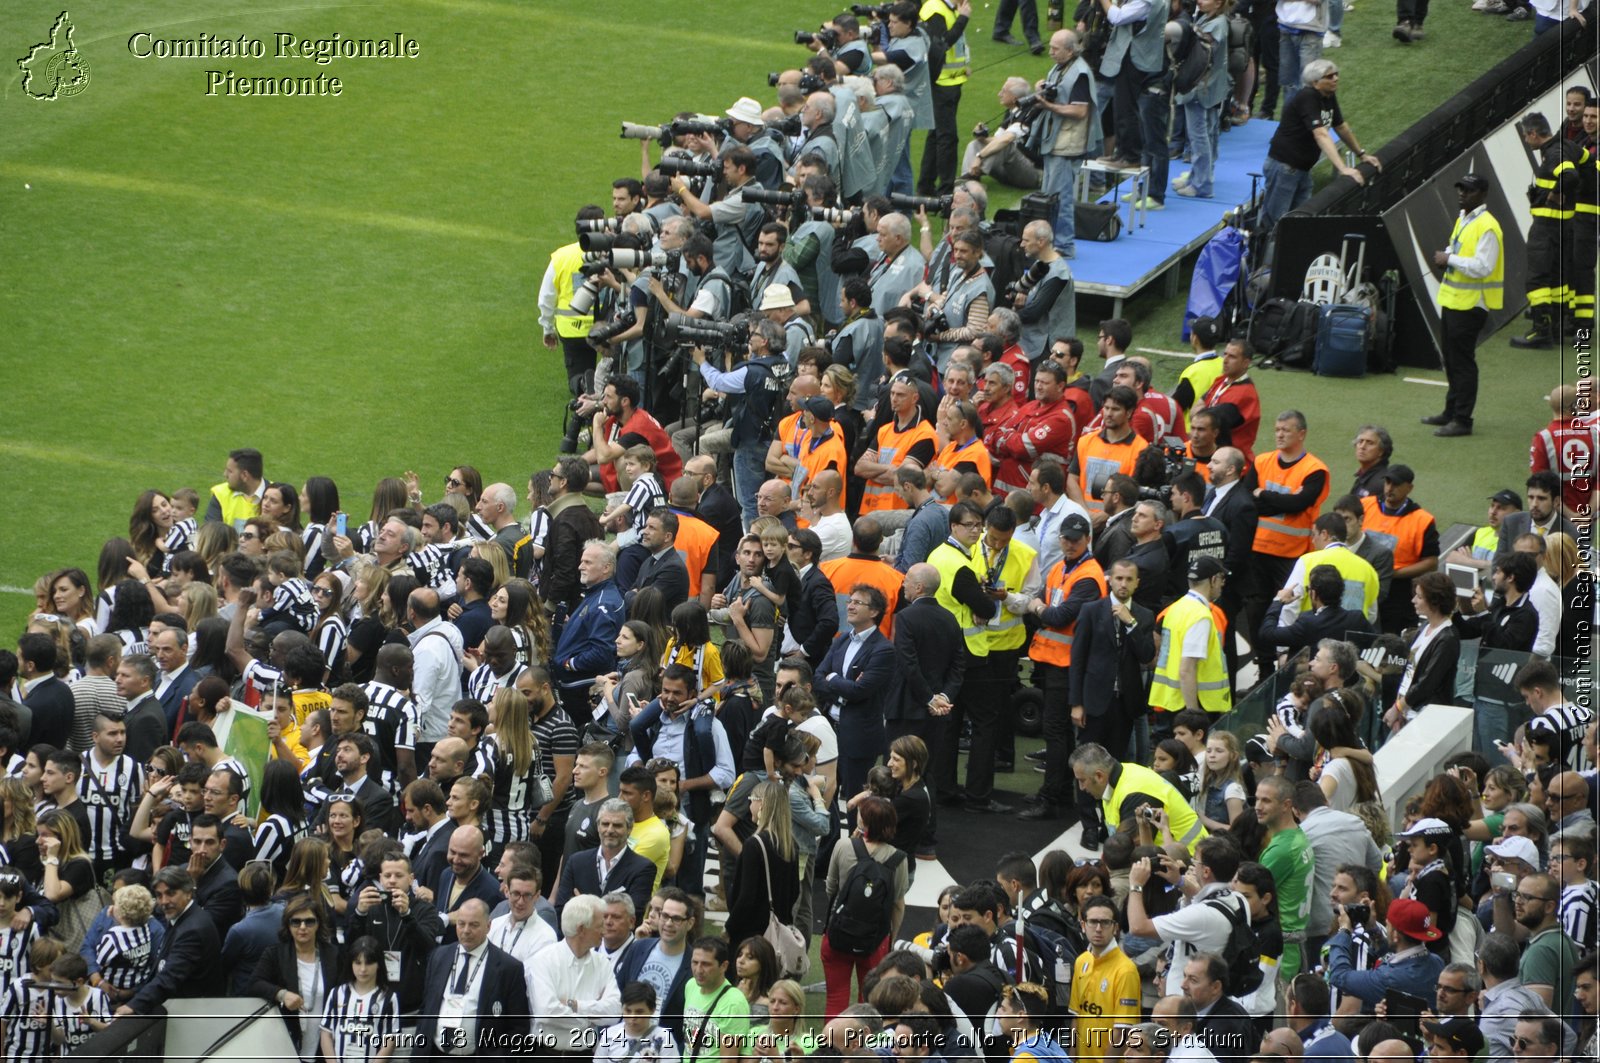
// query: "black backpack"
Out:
[1284,330]
[864,909]
[1242,953]
[1191,56]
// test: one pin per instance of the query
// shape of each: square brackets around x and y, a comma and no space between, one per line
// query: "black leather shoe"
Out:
[1004,38]
[1454,428]
[1037,756]
[1436,419]
[1034,799]
[990,807]
[1036,47]
[1043,810]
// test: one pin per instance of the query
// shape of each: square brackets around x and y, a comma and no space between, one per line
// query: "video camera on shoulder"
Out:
[912,204]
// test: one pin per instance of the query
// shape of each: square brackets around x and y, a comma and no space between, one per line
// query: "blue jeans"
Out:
[1155,122]
[749,472]
[1295,50]
[1496,722]
[1061,177]
[1202,124]
[1335,15]
[1541,24]
[1286,188]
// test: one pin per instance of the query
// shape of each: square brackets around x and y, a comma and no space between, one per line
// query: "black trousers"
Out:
[1461,331]
[1548,239]
[580,359]
[1127,88]
[1232,605]
[1412,11]
[1270,573]
[1059,736]
[977,703]
[1266,82]
[1028,9]
[1005,664]
[941,153]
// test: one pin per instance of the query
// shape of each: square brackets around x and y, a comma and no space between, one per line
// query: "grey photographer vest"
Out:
[1071,138]
[858,163]
[866,353]
[955,310]
[919,83]
[1146,46]
[1061,319]
[856,48]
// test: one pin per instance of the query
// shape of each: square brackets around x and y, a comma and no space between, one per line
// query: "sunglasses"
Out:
[451,481]
[303,922]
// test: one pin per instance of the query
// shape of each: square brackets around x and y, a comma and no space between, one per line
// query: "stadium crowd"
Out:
[835,508]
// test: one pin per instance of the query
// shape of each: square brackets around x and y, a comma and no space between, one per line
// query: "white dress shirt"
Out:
[555,977]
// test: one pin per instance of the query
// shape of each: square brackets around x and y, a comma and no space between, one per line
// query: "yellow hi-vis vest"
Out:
[564,262]
[237,507]
[1457,291]
[1166,692]
[1007,631]
[1360,578]
[957,60]
[949,560]
[1130,779]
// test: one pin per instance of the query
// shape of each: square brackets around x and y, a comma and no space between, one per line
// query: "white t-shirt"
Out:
[1197,638]
[1196,927]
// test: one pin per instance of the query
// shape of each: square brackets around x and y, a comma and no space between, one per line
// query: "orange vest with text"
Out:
[893,445]
[846,572]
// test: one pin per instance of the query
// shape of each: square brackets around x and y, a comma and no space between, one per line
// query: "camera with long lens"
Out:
[1024,284]
[878,11]
[808,82]
[596,242]
[788,126]
[603,334]
[661,134]
[826,37]
[1156,470]
[690,167]
[933,321]
[775,197]
[599,225]
[834,215]
[701,332]
[634,258]
[931,204]
[1047,93]
[703,124]
[583,299]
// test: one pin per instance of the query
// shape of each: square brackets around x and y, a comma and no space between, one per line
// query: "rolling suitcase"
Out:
[1344,328]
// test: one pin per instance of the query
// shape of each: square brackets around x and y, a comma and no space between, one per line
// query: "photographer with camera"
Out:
[816,118]
[1046,298]
[1191,534]
[713,292]
[910,49]
[839,40]
[899,267]
[940,262]
[889,126]
[1003,155]
[763,378]
[858,344]
[1067,131]
[737,223]
[957,313]
[772,271]
[747,127]
[809,251]
[777,305]
[559,321]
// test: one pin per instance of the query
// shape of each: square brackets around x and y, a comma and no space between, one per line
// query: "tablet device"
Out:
[1465,577]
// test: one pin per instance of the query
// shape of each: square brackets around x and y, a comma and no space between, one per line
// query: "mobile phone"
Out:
[341,523]
[1503,880]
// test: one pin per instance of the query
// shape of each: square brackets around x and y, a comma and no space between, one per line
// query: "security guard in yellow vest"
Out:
[557,318]
[961,591]
[1190,670]
[1473,284]
[1552,200]
[1012,580]
[945,23]
[238,497]
[1123,790]
[1361,584]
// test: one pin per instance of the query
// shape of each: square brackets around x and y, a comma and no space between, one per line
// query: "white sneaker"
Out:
[1480,5]
[1330,40]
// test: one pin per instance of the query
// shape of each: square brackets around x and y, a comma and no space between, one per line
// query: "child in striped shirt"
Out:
[124,952]
[14,944]
[80,1011]
[362,1018]
[293,608]
[628,516]
[25,1008]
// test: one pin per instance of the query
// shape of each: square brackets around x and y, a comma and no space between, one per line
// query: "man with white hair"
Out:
[587,646]
[497,508]
[1048,307]
[475,995]
[571,984]
[890,125]
[816,118]
[899,266]
[1066,132]
[1001,156]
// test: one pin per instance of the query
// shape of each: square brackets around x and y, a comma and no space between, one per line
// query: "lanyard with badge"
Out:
[453,1008]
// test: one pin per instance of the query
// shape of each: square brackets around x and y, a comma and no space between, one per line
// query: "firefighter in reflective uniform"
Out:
[1552,197]
[1585,239]
[1190,670]
[946,24]
[1473,285]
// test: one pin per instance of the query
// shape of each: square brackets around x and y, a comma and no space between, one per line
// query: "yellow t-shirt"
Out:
[1105,994]
[652,840]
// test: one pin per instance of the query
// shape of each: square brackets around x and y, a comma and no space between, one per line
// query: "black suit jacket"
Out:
[1434,680]
[860,691]
[667,574]
[429,862]
[814,616]
[187,965]
[1521,523]
[1329,622]
[1102,665]
[147,728]
[483,886]
[1237,512]
[415,935]
[720,509]
[172,700]
[278,969]
[218,893]
[1113,541]
[1100,384]
[1225,1028]
[502,1001]
[930,657]
[634,874]
[52,707]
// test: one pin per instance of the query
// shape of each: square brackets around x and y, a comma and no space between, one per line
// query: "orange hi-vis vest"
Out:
[1099,461]
[1402,533]
[893,446]
[696,543]
[1288,534]
[973,452]
[1054,645]
[846,572]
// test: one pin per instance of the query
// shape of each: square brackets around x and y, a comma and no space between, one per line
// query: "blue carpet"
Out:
[1140,254]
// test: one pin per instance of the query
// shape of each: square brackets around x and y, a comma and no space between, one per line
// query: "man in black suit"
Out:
[391,911]
[48,698]
[1114,539]
[814,616]
[1220,1022]
[466,878]
[1231,503]
[609,866]
[187,964]
[663,569]
[1327,618]
[146,723]
[352,755]
[216,888]
[851,684]
[425,813]
[1114,339]
[718,508]
[1106,685]
[475,995]
[930,657]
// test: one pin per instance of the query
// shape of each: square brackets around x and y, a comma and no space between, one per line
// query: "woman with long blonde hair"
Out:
[518,775]
[766,879]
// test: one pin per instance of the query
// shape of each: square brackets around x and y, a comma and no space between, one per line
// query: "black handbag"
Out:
[1097,221]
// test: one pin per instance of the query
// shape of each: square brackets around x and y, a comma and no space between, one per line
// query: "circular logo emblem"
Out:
[68,72]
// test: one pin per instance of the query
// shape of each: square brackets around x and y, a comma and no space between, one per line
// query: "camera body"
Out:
[788,126]
[1360,914]
[703,124]
[687,331]
[685,167]
[774,197]
[877,11]
[912,204]
[824,36]
[602,334]
[1147,813]
[1046,93]
[933,322]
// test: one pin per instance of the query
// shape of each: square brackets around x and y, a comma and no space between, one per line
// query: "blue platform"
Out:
[1141,255]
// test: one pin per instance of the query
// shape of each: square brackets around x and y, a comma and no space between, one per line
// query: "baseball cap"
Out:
[1412,918]
[1400,474]
[1462,1033]
[1204,567]
[820,408]
[1516,847]
[1074,526]
[1428,827]
[1507,497]
[1473,182]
